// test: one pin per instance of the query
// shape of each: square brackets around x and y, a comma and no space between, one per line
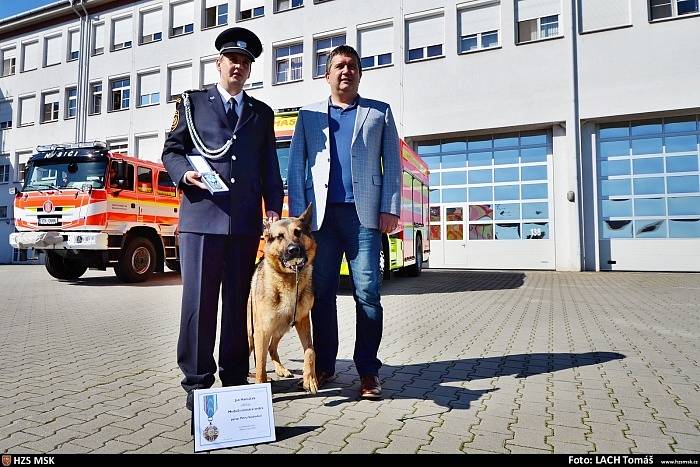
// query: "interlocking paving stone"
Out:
[512,361]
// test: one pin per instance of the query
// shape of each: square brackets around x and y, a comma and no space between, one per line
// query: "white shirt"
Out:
[226,98]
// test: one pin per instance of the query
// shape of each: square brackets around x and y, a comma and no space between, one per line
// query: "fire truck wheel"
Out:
[63,268]
[414,270]
[137,261]
[173,264]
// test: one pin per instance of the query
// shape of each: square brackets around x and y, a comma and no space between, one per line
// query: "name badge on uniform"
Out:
[209,176]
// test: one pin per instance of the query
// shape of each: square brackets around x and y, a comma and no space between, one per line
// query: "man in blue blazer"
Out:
[219,232]
[344,159]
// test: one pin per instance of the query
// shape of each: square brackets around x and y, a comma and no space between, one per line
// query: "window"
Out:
[95,98]
[660,9]
[180,79]
[649,178]
[375,45]
[425,37]
[479,27]
[22,170]
[166,187]
[215,13]
[5,115]
[120,90]
[8,62]
[98,38]
[288,63]
[52,50]
[119,146]
[148,147]
[3,212]
[256,74]
[149,89]
[27,106]
[181,19]
[282,5]
[145,180]
[323,47]
[118,149]
[504,180]
[151,26]
[30,56]
[71,102]
[5,171]
[121,33]
[73,44]
[537,19]
[49,107]
[604,14]
[209,73]
[251,9]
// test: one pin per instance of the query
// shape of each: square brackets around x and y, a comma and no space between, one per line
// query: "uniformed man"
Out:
[219,233]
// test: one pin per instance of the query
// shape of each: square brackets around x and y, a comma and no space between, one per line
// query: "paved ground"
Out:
[475,362]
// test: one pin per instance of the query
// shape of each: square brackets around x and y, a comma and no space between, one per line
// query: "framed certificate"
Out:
[233,416]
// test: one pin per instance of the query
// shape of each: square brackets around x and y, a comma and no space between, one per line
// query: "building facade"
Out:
[560,134]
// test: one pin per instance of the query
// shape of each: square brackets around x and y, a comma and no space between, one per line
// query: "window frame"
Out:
[253,14]
[292,5]
[539,30]
[217,15]
[150,103]
[114,47]
[12,66]
[112,90]
[325,51]
[674,11]
[375,58]
[69,98]
[54,110]
[288,59]
[91,109]
[152,37]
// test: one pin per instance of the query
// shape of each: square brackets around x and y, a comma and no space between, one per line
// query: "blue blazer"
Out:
[250,168]
[375,161]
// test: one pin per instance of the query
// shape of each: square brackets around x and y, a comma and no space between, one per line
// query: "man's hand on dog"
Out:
[387,222]
[272,216]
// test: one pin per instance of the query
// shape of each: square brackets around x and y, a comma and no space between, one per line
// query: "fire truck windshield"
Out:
[50,174]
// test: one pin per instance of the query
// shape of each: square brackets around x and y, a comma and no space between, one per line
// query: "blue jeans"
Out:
[340,233]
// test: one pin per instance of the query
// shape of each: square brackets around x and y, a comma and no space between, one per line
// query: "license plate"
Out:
[48,221]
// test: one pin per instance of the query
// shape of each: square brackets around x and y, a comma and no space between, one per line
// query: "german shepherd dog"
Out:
[281,296]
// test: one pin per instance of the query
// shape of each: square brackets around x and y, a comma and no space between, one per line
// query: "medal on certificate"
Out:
[211,432]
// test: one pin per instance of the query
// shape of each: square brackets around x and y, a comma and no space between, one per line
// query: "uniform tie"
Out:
[231,114]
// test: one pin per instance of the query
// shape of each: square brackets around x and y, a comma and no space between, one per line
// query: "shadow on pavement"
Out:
[156,280]
[445,281]
[288,432]
[441,381]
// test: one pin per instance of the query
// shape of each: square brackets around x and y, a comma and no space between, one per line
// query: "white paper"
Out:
[240,415]
[199,163]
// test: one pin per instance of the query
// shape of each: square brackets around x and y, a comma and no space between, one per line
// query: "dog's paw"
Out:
[282,372]
[311,384]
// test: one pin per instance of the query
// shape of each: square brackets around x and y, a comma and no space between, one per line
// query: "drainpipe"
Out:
[80,92]
[85,47]
[577,133]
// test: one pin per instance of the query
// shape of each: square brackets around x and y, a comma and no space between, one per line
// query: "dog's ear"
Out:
[266,229]
[305,217]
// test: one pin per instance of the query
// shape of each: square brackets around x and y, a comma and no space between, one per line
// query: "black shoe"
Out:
[190,401]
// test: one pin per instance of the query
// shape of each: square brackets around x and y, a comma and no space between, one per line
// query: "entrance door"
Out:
[455,231]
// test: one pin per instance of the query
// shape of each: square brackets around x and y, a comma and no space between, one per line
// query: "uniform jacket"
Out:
[375,161]
[250,168]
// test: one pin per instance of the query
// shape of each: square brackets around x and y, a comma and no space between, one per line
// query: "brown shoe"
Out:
[371,389]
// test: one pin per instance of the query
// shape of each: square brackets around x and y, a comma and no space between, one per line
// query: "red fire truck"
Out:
[85,206]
